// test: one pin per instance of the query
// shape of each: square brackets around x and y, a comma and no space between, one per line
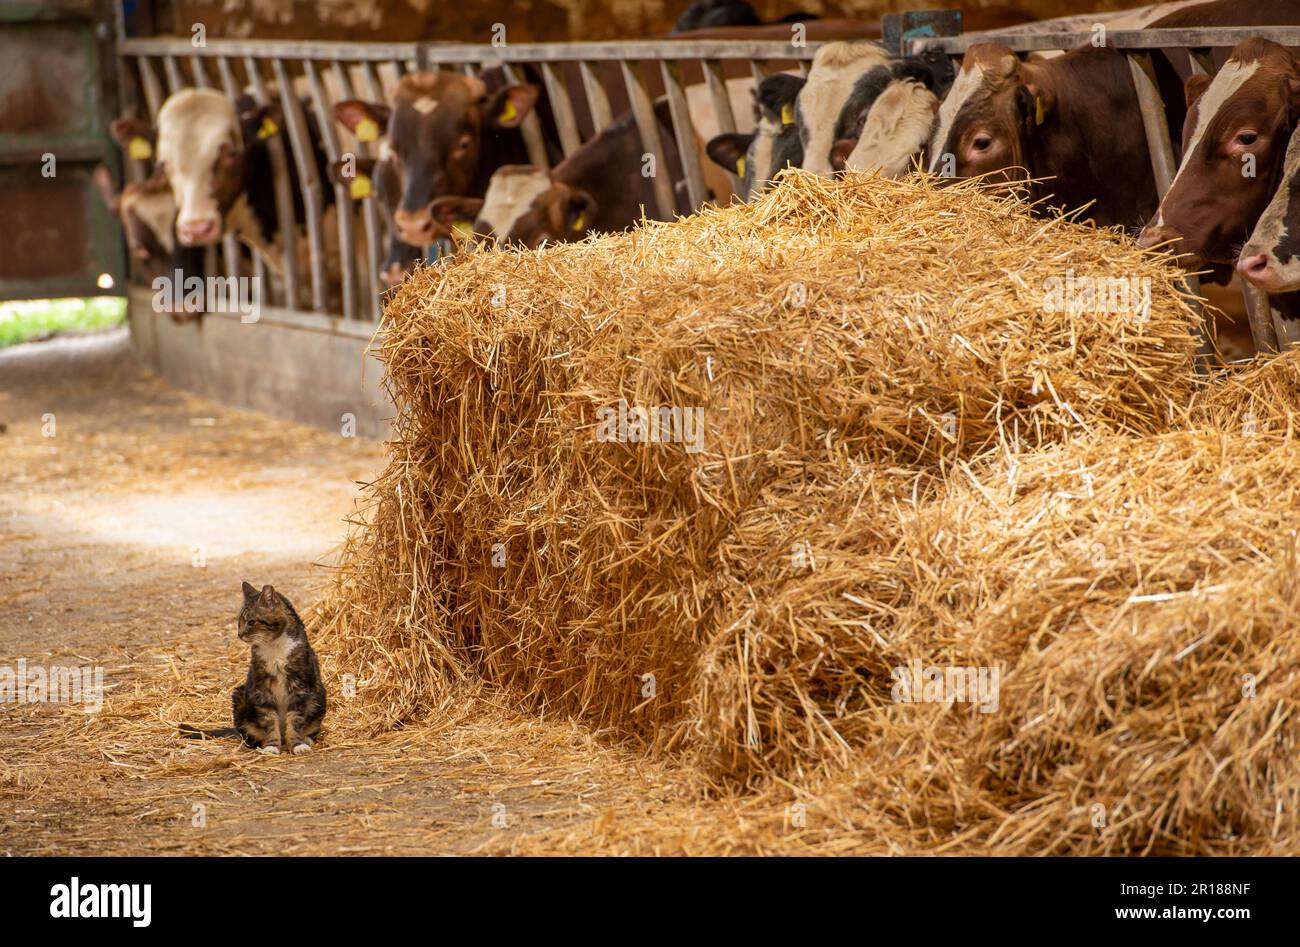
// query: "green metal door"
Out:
[56,90]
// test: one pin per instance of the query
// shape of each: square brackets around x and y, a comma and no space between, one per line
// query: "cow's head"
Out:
[525,206]
[835,69]
[147,212]
[434,135]
[201,144]
[991,117]
[889,116]
[772,146]
[1271,257]
[1234,145]
[378,180]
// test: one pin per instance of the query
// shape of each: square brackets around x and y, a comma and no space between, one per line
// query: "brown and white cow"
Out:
[600,187]
[888,117]
[1073,119]
[757,156]
[836,68]
[1271,257]
[444,134]
[1234,142]
[147,212]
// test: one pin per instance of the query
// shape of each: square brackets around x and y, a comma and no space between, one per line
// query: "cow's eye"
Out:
[1247,138]
[982,143]
[463,143]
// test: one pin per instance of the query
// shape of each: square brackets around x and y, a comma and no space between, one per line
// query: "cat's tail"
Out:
[195,733]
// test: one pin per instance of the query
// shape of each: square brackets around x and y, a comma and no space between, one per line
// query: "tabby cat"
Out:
[282,702]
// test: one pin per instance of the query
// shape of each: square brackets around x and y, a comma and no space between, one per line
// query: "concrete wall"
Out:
[298,366]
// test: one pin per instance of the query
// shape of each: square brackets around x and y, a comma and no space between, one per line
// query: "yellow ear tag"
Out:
[509,113]
[787,114]
[462,230]
[367,129]
[359,187]
[1038,110]
[139,148]
[580,221]
[740,167]
[268,128]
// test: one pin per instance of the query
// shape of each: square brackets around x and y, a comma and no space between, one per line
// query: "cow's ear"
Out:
[456,215]
[728,150]
[135,136]
[354,173]
[507,107]
[1195,87]
[840,152]
[579,212]
[1034,104]
[258,122]
[107,187]
[368,121]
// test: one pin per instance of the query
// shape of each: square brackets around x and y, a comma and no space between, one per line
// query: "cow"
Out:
[888,117]
[773,145]
[147,212]
[444,134]
[1234,144]
[600,187]
[836,68]
[1270,258]
[1073,120]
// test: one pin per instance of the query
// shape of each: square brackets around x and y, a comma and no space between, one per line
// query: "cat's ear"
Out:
[268,594]
[250,593]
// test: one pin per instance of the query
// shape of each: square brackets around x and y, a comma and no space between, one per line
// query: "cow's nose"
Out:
[1155,236]
[195,232]
[1258,268]
[414,227]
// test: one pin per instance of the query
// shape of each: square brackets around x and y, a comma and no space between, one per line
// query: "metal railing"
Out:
[582,82]
[1268,329]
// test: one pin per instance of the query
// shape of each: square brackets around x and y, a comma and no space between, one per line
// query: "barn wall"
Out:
[528,20]
[297,366]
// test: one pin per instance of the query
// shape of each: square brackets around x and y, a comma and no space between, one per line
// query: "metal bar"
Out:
[308,184]
[153,93]
[562,109]
[1163,166]
[597,99]
[456,53]
[1115,39]
[684,130]
[230,242]
[1201,61]
[530,127]
[643,112]
[200,74]
[1153,120]
[173,73]
[369,212]
[342,200]
[726,119]
[283,192]
[1262,328]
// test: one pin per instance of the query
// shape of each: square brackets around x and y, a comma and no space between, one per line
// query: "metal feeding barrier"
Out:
[1268,329]
[587,85]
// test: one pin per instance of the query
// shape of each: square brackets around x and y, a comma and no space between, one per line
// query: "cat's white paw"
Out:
[302,748]
[269,750]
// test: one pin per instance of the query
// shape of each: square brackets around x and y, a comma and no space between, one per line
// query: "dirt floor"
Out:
[129,514]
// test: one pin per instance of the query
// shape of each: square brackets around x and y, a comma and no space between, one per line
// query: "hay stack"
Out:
[849,342]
